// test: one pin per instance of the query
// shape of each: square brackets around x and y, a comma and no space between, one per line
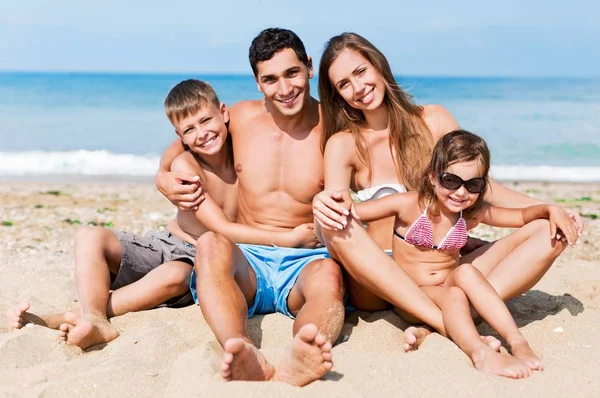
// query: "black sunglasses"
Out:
[453,182]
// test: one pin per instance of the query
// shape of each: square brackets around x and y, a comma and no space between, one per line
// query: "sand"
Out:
[172,352]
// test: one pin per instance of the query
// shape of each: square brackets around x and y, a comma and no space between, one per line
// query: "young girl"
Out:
[431,227]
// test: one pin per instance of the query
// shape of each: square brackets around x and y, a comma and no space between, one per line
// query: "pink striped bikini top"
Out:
[420,234]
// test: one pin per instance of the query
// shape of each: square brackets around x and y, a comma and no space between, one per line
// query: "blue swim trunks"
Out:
[276,270]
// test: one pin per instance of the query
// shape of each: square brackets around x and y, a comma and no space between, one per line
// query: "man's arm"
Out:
[182,189]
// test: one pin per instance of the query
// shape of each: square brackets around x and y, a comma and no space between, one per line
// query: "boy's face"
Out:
[283,80]
[205,131]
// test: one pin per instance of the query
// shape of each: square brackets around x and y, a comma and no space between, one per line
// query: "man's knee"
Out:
[214,253]
[327,277]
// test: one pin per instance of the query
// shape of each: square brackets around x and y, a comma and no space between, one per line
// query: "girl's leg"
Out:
[461,328]
[515,263]
[492,309]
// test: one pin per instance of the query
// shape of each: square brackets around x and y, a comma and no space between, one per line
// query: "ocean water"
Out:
[82,124]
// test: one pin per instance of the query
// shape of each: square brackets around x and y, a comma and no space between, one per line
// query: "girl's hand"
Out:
[329,210]
[577,220]
[559,218]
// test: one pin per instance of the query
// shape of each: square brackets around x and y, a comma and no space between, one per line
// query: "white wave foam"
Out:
[76,163]
[103,163]
[546,173]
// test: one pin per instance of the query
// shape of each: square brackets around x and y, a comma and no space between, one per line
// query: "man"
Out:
[276,146]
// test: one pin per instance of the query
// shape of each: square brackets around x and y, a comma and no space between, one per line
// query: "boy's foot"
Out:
[414,337]
[523,351]
[308,359]
[489,361]
[243,361]
[15,316]
[85,332]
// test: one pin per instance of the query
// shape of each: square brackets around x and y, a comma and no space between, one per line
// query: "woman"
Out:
[377,141]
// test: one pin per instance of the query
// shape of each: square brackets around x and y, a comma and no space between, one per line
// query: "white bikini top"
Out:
[379,191]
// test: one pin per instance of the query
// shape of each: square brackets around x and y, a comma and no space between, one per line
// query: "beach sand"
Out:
[172,352]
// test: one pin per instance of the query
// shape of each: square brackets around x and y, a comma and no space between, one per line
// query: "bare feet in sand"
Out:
[415,335]
[523,351]
[85,332]
[15,316]
[243,361]
[489,361]
[308,359]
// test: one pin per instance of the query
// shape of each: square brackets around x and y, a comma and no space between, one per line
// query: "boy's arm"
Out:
[214,219]
[182,189]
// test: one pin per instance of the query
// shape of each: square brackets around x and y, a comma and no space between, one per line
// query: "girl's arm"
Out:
[388,206]
[214,219]
[514,218]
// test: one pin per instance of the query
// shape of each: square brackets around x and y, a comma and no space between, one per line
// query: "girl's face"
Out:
[357,81]
[459,186]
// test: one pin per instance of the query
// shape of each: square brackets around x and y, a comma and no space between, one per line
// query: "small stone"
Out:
[558,330]
[152,374]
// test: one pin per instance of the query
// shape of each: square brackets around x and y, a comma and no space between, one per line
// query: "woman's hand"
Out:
[329,210]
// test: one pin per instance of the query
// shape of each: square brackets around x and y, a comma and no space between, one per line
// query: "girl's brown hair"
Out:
[410,139]
[454,147]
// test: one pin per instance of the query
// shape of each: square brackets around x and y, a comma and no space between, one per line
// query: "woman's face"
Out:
[357,81]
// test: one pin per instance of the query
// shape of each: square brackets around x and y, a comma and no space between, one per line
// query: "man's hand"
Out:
[304,236]
[329,210]
[182,189]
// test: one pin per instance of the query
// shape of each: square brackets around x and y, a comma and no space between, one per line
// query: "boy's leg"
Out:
[461,328]
[17,316]
[225,284]
[515,263]
[492,309]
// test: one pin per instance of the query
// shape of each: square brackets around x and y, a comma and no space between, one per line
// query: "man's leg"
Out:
[225,284]
[515,263]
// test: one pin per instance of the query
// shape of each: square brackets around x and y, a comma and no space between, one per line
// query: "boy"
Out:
[146,271]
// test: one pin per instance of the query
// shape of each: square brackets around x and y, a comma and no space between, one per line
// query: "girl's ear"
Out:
[432,179]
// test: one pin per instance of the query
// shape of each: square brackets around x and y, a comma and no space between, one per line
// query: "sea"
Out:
[112,124]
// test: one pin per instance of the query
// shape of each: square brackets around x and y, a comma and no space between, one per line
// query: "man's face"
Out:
[205,131]
[283,80]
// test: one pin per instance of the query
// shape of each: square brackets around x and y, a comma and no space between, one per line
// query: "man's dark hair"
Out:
[272,40]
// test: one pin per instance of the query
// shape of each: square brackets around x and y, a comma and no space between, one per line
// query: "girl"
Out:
[430,228]
[379,141]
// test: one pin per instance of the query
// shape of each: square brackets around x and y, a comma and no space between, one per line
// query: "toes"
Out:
[326,347]
[328,365]
[326,356]
[308,333]
[22,307]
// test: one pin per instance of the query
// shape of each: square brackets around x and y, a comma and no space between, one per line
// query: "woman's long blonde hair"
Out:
[411,141]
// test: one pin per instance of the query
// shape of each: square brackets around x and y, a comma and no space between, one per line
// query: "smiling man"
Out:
[278,161]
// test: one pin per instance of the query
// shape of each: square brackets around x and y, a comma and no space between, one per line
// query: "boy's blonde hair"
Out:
[187,97]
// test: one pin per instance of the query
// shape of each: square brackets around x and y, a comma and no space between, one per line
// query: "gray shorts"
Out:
[142,254]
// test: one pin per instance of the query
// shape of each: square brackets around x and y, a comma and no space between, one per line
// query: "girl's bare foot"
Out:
[523,351]
[15,316]
[86,331]
[489,361]
[308,360]
[243,361]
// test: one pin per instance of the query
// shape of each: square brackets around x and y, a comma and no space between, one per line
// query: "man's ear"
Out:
[310,68]
[257,84]
[224,112]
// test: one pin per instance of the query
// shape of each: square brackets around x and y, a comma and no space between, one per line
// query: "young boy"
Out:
[144,272]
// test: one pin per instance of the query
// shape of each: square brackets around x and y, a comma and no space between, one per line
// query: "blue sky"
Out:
[436,37]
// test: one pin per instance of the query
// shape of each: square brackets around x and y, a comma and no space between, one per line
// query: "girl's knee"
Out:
[465,273]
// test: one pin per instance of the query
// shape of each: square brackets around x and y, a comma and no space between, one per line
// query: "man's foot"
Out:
[308,360]
[15,316]
[414,337]
[523,351]
[243,361]
[489,361]
[85,332]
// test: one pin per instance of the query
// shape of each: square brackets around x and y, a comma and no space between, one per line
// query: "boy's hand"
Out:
[304,236]
[561,220]
[329,210]
[182,189]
